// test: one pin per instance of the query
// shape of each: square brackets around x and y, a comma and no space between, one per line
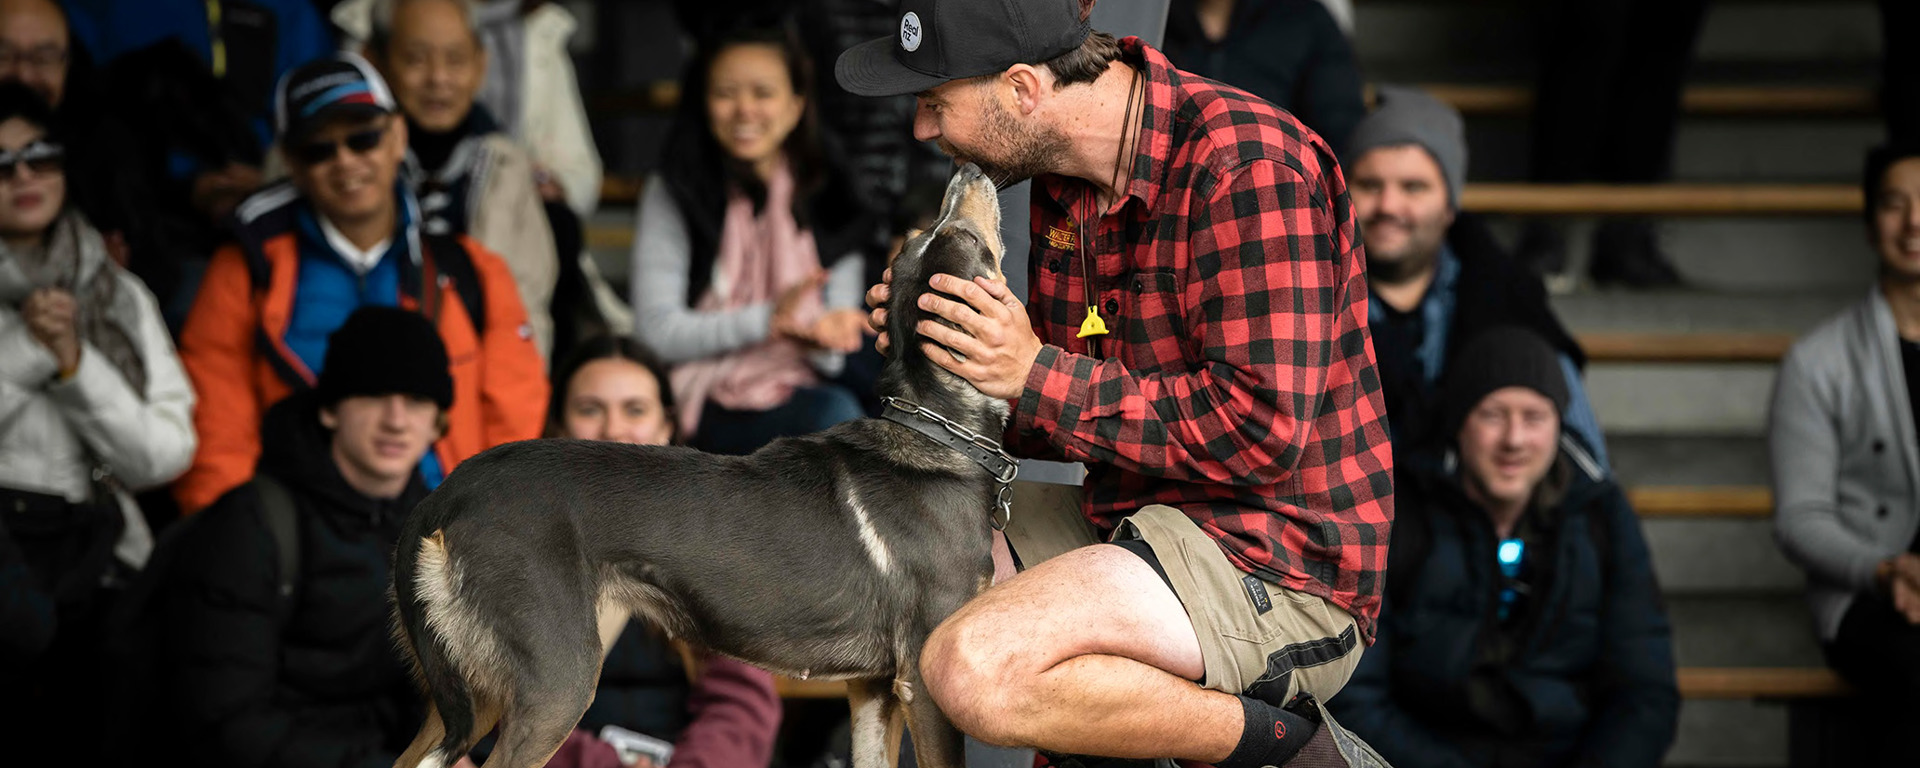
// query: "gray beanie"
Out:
[1408,115]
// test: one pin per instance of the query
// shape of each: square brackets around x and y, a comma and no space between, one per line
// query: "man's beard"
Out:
[1026,152]
[1417,259]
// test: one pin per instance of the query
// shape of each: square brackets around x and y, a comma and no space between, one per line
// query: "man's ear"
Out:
[1029,87]
[329,419]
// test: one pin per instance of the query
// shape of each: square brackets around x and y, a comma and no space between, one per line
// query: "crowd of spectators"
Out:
[270,269]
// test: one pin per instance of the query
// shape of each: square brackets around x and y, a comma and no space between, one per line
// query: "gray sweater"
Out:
[662,257]
[1845,472]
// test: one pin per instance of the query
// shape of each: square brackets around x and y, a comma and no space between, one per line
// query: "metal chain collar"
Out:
[1003,499]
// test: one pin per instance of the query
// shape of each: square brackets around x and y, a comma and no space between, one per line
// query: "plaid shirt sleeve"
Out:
[1262,302]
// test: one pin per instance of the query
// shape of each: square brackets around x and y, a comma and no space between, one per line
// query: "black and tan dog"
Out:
[827,556]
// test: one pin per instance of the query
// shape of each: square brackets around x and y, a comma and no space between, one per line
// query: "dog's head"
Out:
[964,242]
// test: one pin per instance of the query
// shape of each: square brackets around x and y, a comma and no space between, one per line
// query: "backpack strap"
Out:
[277,512]
[444,256]
[259,218]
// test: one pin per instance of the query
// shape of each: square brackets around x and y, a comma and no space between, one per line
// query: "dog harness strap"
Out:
[983,450]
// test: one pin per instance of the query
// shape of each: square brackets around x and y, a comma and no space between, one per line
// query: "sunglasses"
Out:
[40,157]
[358,142]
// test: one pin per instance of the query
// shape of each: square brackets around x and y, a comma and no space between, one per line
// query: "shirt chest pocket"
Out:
[1154,319]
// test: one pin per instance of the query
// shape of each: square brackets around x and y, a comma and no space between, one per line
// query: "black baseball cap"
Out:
[943,40]
[342,85]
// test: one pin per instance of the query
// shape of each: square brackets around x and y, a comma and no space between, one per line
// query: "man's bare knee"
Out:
[967,676]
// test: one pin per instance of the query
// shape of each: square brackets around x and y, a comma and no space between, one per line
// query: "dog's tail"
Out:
[428,623]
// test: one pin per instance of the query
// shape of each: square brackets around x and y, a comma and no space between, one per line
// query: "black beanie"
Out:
[385,351]
[1506,356]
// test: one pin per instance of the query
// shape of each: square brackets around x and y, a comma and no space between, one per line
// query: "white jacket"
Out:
[51,432]
[553,118]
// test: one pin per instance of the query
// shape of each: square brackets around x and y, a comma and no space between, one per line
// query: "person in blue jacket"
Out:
[1522,625]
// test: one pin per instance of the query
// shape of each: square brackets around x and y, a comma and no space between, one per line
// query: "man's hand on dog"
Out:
[996,344]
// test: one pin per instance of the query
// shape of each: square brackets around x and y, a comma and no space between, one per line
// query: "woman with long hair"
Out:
[745,275]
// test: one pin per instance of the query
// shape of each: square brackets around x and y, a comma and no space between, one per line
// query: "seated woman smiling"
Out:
[733,235]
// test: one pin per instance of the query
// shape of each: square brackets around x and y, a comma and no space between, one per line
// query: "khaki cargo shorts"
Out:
[1257,638]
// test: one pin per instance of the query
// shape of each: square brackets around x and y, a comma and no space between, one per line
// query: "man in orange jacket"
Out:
[342,233]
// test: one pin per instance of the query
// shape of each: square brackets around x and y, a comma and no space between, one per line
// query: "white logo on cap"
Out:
[910,32]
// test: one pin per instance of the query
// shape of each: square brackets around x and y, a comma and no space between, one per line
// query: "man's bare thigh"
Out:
[1099,599]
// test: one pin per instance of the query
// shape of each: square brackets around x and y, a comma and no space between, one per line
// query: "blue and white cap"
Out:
[343,85]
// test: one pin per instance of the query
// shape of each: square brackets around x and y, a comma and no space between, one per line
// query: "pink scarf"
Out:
[759,256]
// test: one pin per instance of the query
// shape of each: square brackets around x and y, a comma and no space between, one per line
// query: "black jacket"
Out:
[1492,291]
[312,680]
[1582,675]
[1289,52]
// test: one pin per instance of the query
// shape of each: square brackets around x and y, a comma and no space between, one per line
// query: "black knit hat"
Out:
[385,351]
[1497,358]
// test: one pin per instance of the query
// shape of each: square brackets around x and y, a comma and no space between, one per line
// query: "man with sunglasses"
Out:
[341,233]
[1522,624]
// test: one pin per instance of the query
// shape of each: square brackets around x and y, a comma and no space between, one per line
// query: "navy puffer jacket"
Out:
[1583,675]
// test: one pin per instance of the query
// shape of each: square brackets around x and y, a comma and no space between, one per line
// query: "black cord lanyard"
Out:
[1092,326]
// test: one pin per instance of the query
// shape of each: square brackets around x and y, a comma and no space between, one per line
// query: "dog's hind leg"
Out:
[936,743]
[550,691]
[876,741]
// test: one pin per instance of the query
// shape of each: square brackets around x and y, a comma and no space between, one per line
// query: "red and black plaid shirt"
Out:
[1237,383]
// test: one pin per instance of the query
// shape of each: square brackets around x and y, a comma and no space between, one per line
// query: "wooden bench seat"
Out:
[1768,683]
[661,97]
[1693,347]
[1773,683]
[1578,199]
[1734,501]
[1701,100]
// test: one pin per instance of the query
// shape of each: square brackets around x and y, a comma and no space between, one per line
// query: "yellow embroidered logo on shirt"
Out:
[1061,239]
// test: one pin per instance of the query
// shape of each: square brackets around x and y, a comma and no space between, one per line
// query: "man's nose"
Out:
[925,128]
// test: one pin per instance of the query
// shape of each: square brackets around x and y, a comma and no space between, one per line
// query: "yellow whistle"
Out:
[1092,326]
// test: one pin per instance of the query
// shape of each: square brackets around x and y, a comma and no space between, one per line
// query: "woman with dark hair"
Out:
[93,405]
[734,233]
[722,714]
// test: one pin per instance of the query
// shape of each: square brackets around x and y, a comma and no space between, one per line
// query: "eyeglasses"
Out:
[40,157]
[358,142]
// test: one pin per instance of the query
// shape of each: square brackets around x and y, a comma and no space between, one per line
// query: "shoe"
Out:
[1626,252]
[1331,746]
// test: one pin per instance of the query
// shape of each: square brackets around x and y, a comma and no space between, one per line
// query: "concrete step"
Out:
[1592,311]
[1707,149]
[1742,631]
[1705,399]
[1730,734]
[1422,41]
[1686,460]
[1717,557]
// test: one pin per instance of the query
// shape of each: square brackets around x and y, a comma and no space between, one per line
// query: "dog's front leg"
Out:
[875,744]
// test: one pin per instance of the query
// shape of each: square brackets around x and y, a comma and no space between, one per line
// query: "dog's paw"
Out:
[903,691]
